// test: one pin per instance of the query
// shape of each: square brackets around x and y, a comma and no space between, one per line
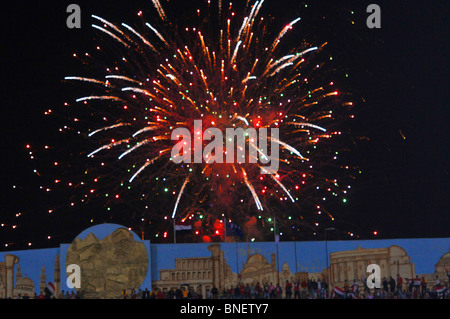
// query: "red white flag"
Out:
[184,224]
[339,291]
[440,289]
[51,288]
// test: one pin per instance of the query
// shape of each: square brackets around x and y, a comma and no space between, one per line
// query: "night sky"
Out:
[398,76]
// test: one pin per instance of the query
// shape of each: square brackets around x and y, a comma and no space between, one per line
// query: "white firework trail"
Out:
[179,196]
[107,146]
[283,187]
[107,128]
[252,190]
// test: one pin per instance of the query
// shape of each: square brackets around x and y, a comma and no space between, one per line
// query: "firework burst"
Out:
[228,70]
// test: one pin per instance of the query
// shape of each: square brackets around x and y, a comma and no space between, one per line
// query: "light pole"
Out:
[326,257]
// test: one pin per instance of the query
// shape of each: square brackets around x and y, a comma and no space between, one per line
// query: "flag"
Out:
[440,289]
[276,231]
[233,229]
[339,291]
[51,288]
[183,224]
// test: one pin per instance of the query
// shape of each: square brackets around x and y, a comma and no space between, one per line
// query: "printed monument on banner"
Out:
[109,266]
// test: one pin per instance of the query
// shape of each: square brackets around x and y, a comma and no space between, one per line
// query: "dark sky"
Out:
[398,75]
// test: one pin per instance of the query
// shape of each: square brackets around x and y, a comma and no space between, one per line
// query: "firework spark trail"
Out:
[108,128]
[99,97]
[308,125]
[145,129]
[79,78]
[104,147]
[142,143]
[179,197]
[283,187]
[145,165]
[252,190]
[157,33]
[109,24]
[243,119]
[236,50]
[110,34]
[244,24]
[121,77]
[283,32]
[287,146]
[160,10]
[143,39]
[138,90]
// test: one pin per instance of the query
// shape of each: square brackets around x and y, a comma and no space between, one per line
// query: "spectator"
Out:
[242,291]
[231,292]
[225,293]
[278,291]
[178,294]
[319,290]
[384,283]
[392,284]
[304,286]
[184,293]
[48,293]
[438,281]
[297,290]
[355,287]
[325,287]
[423,285]
[309,286]
[288,289]
[214,292]
[253,293]
[313,288]
[266,292]
[237,292]
[271,291]
[399,283]
[258,291]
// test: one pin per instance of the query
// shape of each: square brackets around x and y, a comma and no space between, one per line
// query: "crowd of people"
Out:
[47,294]
[399,288]
[390,288]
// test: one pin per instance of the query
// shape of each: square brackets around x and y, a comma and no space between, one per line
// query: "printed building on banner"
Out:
[15,280]
[202,273]
[350,265]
